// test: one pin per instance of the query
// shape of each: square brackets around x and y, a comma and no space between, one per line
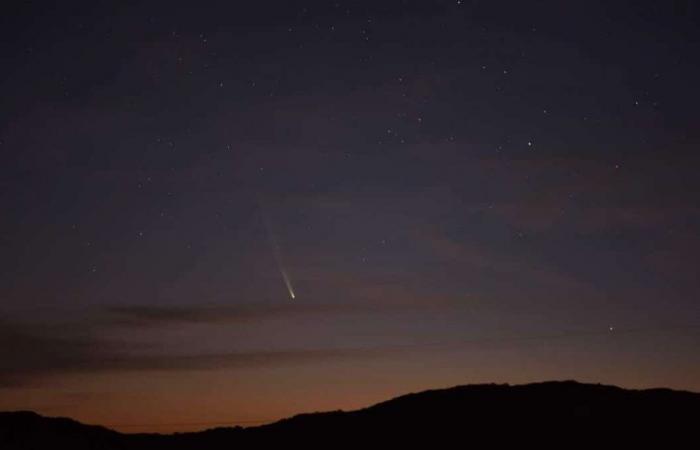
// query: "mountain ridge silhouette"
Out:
[554,412]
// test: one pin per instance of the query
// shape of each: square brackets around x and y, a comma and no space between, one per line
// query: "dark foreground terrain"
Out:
[563,414]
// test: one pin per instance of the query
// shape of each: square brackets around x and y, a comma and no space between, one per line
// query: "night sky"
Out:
[231,212]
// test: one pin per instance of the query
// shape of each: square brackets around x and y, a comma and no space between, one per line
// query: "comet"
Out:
[287,283]
[276,252]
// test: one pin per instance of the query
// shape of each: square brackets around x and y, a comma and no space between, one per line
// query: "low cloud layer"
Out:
[148,315]
[31,353]
[27,358]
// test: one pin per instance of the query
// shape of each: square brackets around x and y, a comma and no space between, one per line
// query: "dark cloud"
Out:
[29,355]
[30,352]
[232,360]
[147,315]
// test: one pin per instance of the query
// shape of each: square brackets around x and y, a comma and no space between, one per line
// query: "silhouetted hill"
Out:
[566,414]
[28,430]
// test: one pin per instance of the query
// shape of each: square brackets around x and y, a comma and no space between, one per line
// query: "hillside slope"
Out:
[561,413]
